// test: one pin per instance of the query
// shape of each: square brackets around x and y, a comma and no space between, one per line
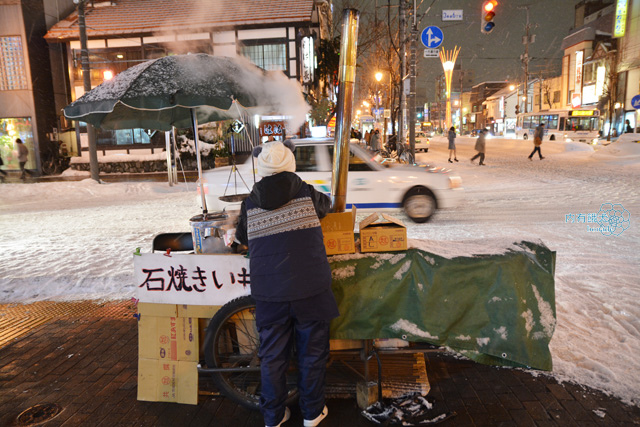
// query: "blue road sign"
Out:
[635,102]
[432,37]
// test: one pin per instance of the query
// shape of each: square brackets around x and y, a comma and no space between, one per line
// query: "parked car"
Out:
[417,189]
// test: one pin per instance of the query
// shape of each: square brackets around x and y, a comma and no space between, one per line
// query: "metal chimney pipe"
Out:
[347,77]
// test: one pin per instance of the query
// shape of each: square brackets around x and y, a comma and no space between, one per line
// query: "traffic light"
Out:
[488,13]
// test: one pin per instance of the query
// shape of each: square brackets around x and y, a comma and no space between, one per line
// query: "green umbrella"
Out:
[180,91]
[161,93]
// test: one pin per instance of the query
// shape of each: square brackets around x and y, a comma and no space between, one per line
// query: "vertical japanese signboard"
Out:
[578,81]
[620,18]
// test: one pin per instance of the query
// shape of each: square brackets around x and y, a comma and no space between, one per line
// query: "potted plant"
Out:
[220,153]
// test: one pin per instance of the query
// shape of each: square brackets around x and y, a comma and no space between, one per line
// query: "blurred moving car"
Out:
[417,189]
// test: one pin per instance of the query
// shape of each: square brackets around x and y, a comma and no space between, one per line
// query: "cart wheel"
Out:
[232,341]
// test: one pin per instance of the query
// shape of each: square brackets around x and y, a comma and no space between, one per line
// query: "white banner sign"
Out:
[452,15]
[191,279]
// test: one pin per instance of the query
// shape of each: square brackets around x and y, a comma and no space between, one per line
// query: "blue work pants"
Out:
[311,339]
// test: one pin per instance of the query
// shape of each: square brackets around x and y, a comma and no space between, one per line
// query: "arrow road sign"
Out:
[635,102]
[432,37]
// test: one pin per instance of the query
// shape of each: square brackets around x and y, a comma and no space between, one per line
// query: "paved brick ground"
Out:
[88,366]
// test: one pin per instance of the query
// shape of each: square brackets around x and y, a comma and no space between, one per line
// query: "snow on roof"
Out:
[126,17]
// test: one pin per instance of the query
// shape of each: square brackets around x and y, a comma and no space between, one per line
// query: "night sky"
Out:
[496,56]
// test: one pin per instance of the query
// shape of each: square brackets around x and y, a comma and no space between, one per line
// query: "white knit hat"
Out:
[275,157]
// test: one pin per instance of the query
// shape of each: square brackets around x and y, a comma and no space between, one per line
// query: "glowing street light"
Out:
[378,77]
[107,74]
[512,87]
[448,60]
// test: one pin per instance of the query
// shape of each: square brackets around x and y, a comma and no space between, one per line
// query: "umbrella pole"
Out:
[194,123]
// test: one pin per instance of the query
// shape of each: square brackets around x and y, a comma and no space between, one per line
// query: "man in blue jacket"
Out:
[290,281]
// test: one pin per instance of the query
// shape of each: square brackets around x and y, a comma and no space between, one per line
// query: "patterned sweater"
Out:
[280,223]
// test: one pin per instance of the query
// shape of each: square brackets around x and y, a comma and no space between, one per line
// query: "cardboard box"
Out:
[168,381]
[168,338]
[197,311]
[386,235]
[153,309]
[337,230]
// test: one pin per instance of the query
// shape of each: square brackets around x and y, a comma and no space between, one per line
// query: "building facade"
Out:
[601,63]
[41,70]
[27,107]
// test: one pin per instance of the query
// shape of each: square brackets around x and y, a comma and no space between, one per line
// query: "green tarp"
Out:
[495,309]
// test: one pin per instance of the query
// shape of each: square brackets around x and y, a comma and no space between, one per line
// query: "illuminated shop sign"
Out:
[578,80]
[620,18]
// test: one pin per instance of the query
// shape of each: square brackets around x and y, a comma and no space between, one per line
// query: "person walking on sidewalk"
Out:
[452,143]
[376,144]
[537,141]
[23,156]
[480,147]
[290,282]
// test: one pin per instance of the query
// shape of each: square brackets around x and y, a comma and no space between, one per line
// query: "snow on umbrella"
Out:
[182,90]
[160,93]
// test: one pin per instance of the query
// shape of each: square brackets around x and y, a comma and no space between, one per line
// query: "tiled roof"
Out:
[127,17]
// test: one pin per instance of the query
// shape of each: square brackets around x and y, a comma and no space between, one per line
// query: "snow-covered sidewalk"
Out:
[74,240]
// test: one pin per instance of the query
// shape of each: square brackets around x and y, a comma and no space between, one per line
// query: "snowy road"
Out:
[73,240]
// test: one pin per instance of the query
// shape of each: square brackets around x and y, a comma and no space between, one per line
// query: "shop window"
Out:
[12,69]
[122,137]
[10,129]
[268,56]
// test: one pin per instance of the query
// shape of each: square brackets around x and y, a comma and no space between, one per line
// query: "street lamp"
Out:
[378,77]
[448,60]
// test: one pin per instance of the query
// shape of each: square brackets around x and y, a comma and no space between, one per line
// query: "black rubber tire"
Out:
[419,204]
[49,168]
[223,349]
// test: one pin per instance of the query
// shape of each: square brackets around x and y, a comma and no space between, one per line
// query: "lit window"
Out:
[269,57]
[12,68]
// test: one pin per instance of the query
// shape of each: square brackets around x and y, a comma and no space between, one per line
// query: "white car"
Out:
[422,142]
[418,189]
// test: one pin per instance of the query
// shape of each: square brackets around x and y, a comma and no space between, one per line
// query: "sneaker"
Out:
[482,164]
[287,415]
[455,160]
[541,158]
[530,158]
[450,161]
[314,422]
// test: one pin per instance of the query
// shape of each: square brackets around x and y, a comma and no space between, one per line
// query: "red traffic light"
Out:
[488,13]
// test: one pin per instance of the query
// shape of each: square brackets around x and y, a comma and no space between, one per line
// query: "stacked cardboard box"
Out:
[168,352]
[337,229]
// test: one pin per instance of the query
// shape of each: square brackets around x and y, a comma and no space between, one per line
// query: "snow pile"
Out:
[620,149]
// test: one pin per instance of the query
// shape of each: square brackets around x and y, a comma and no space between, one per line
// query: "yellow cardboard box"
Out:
[153,309]
[386,235]
[337,230]
[168,338]
[198,311]
[168,381]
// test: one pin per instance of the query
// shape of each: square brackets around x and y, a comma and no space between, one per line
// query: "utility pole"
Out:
[412,83]
[403,67]
[86,77]
[525,58]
